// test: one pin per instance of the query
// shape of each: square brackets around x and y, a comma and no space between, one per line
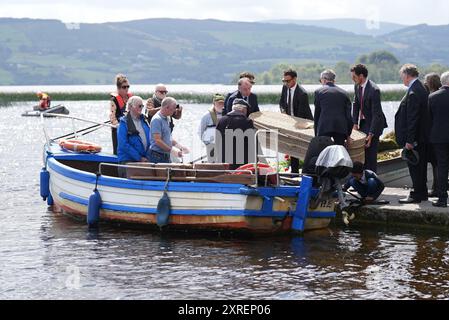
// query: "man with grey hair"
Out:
[161,142]
[236,133]
[332,110]
[244,92]
[133,135]
[412,130]
[153,104]
[439,137]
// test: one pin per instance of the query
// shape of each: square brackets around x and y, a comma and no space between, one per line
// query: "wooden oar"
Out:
[72,134]
[225,178]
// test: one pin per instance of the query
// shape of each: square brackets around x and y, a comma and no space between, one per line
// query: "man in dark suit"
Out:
[412,130]
[243,92]
[235,136]
[439,136]
[294,102]
[367,114]
[332,110]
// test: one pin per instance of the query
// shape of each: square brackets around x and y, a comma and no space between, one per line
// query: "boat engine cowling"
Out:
[332,167]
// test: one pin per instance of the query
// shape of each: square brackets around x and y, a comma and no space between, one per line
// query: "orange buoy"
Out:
[80,146]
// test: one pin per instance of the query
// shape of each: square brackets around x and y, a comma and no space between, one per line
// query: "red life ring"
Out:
[80,146]
[262,169]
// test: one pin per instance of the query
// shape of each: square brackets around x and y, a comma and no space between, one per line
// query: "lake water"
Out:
[48,256]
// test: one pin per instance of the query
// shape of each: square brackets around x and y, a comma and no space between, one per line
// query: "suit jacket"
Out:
[412,120]
[300,103]
[375,121]
[439,116]
[332,111]
[252,100]
[233,121]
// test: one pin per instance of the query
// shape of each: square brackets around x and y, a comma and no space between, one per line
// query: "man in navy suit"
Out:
[412,125]
[294,102]
[244,92]
[332,110]
[367,114]
[439,136]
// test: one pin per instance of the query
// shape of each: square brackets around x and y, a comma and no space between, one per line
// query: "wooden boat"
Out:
[59,109]
[295,134]
[202,198]
[395,173]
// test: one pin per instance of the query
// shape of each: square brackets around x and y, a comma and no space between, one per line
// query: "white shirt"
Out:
[292,95]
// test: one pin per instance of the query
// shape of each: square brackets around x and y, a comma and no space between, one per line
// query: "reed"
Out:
[263,98]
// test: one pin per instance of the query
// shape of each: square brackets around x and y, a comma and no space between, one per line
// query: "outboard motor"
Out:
[316,146]
[332,167]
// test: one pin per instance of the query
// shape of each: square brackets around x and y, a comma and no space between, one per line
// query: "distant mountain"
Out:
[415,43]
[357,26]
[186,51]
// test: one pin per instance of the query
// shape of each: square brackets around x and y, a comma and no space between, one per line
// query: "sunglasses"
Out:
[163,92]
[140,107]
[287,81]
[125,87]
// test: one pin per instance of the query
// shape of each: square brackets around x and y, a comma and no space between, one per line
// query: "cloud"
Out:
[95,11]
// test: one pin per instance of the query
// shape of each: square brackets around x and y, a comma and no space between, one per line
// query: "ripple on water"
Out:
[49,256]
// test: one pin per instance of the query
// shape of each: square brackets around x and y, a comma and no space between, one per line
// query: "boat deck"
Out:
[422,215]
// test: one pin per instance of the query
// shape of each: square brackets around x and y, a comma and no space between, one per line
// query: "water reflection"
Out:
[41,253]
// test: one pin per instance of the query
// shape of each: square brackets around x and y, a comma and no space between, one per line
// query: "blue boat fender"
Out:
[94,205]
[45,184]
[164,206]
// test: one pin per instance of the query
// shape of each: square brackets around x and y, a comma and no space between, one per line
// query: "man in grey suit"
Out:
[367,114]
[439,136]
[332,110]
[412,126]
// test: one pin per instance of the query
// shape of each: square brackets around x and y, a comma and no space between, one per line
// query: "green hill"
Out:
[180,51]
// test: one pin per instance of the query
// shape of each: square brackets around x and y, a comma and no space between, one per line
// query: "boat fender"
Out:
[93,210]
[164,206]
[50,201]
[45,183]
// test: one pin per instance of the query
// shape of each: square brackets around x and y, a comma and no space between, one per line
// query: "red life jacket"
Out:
[120,103]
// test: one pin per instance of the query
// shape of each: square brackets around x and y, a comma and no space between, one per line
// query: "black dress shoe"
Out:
[440,204]
[409,200]
[433,194]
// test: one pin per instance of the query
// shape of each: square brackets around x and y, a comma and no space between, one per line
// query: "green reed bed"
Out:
[263,98]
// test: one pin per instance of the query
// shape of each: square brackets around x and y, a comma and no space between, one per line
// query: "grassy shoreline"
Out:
[263,98]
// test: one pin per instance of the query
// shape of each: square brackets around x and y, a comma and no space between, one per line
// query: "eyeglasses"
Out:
[163,91]
[125,87]
[286,81]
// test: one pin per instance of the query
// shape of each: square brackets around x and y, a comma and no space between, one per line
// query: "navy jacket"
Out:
[252,100]
[130,145]
[439,116]
[375,121]
[300,103]
[332,111]
[412,120]
[368,175]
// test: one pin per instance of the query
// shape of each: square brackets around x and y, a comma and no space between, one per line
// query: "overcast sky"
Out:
[409,12]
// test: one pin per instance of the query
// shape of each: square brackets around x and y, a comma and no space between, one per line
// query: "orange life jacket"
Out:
[118,100]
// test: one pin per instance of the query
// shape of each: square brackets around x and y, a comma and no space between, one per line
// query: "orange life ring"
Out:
[80,146]
[262,169]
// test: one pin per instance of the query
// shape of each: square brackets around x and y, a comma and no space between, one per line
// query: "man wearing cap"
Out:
[208,125]
[235,136]
[412,123]
[244,92]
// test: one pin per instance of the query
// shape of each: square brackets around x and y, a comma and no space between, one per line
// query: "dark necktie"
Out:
[362,117]
[289,102]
